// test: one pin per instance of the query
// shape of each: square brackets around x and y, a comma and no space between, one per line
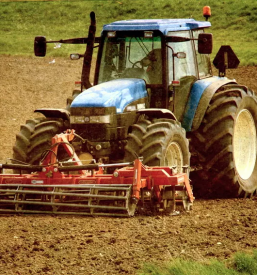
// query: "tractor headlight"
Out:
[77,119]
[91,119]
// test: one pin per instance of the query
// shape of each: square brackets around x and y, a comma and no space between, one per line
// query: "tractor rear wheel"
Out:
[226,143]
[34,138]
[165,144]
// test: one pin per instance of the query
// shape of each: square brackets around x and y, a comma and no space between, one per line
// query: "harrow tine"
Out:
[6,211]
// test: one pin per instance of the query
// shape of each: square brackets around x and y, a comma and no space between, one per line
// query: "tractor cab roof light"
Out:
[111,34]
[206,12]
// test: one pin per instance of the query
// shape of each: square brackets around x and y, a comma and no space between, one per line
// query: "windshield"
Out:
[131,57]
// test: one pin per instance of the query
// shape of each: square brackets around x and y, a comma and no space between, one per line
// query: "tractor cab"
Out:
[165,53]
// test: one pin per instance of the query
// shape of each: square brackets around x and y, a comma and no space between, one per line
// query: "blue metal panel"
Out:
[163,25]
[193,101]
[115,93]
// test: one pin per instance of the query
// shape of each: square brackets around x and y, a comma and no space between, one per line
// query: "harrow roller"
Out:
[85,199]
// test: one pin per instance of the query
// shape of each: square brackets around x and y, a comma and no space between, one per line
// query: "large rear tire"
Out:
[34,138]
[226,145]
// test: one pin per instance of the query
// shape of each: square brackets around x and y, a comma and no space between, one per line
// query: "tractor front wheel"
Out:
[134,140]
[34,138]
[165,144]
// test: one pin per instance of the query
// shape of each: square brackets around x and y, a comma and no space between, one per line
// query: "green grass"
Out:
[233,22]
[240,264]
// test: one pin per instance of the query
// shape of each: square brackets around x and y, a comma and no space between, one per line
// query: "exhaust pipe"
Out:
[85,83]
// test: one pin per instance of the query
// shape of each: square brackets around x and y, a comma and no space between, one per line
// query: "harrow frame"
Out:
[52,188]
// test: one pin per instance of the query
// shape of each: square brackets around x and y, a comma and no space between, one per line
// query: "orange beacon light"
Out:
[206,12]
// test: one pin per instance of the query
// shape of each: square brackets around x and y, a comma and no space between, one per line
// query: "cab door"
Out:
[182,72]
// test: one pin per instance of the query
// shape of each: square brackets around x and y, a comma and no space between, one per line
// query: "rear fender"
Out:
[54,113]
[199,99]
[157,113]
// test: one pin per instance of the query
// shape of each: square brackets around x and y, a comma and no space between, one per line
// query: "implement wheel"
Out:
[34,138]
[227,144]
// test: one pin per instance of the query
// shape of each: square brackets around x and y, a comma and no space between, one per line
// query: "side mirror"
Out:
[75,56]
[40,46]
[205,43]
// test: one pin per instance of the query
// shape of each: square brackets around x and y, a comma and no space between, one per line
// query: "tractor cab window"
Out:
[182,66]
[203,60]
[127,56]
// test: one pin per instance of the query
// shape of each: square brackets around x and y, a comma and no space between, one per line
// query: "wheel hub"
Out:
[174,157]
[244,144]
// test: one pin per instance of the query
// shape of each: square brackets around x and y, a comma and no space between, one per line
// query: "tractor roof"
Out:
[163,25]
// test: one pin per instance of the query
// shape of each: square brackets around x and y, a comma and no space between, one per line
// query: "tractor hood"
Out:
[115,93]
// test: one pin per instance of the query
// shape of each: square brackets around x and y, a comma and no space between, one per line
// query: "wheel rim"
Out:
[174,157]
[244,144]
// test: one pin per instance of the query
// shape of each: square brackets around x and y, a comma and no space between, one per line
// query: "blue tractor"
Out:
[154,96]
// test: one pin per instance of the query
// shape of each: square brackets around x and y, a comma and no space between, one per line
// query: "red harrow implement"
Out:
[57,187]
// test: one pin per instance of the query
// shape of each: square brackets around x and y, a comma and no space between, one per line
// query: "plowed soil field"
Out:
[38,244]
